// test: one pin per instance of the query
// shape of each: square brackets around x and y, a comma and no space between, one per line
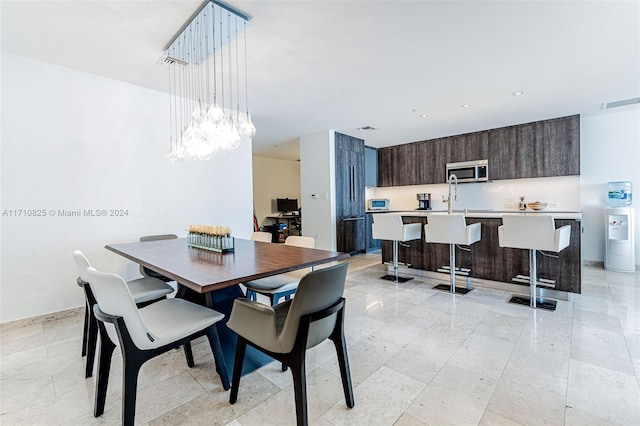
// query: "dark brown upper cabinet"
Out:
[539,149]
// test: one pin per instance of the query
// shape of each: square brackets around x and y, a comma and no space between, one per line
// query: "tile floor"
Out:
[418,357]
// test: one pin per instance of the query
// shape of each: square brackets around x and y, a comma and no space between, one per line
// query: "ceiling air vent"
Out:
[625,102]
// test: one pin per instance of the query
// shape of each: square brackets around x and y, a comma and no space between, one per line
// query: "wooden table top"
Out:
[204,271]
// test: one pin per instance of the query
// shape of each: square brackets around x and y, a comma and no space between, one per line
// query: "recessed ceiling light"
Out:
[518,93]
[466,105]
[414,110]
[366,129]
[424,115]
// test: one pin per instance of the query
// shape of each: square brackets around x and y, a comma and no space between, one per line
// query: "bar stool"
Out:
[533,233]
[390,227]
[451,229]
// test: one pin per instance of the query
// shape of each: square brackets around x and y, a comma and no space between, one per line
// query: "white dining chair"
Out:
[144,333]
[143,290]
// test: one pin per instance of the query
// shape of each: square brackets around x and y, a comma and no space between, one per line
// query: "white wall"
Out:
[273,178]
[563,193]
[317,185]
[610,151]
[72,140]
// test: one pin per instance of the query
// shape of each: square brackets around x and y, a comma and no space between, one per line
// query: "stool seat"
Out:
[451,229]
[389,226]
[533,232]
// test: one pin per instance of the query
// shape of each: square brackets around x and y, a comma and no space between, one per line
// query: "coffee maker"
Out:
[424,201]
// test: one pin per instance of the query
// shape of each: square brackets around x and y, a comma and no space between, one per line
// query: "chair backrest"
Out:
[265,237]
[146,272]
[114,298]
[298,241]
[534,232]
[317,290]
[82,263]
[446,228]
[387,226]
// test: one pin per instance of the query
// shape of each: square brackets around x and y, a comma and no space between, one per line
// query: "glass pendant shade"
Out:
[199,78]
[246,127]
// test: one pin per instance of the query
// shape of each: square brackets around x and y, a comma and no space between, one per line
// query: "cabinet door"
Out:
[350,235]
[539,149]
[504,158]
[385,167]
[350,194]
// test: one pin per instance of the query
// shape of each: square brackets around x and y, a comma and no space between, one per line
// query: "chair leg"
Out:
[188,354]
[241,346]
[218,356]
[129,389]
[104,366]
[85,329]
[300,390]
[92,338]
[339,341]
[345,372]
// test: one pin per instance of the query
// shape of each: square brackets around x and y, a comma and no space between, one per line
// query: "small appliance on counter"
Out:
[424,201]
[379,204]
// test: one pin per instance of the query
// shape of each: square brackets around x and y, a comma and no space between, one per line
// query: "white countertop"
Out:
[487,214]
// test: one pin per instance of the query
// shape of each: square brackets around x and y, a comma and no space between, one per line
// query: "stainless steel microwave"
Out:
[469,171]
[379,204]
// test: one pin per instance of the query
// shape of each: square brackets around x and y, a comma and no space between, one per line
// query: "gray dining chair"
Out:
[282,285]
[287,330]
[144,291]
[143,334]
[146,272]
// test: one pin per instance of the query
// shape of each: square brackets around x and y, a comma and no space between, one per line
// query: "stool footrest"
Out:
[524,279]
[459,271]
[408,265]
[541,303]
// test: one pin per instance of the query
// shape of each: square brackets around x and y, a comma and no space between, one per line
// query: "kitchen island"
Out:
[489,262]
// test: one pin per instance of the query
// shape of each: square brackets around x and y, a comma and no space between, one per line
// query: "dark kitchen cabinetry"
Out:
[350,203]
[539,149]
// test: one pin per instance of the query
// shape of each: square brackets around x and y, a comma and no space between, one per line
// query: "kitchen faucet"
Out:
[449,200]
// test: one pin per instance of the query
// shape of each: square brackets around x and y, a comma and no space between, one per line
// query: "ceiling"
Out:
[318,65]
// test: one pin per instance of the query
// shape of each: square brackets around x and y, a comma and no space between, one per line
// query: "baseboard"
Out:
[52,316]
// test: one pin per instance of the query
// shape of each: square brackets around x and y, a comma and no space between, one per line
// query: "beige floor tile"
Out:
[604,393]
[370,408]
[454,397]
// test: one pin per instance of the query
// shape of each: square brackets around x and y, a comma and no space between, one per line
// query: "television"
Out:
[285,205]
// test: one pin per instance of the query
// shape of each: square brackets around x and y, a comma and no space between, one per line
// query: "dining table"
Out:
[213,279]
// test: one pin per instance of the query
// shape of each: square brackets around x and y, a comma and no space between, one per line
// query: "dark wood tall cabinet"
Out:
[350,202]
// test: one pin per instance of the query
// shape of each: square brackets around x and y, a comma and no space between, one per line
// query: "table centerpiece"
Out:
[213,238]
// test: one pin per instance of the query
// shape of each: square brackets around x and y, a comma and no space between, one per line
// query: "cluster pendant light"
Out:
[205,83]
